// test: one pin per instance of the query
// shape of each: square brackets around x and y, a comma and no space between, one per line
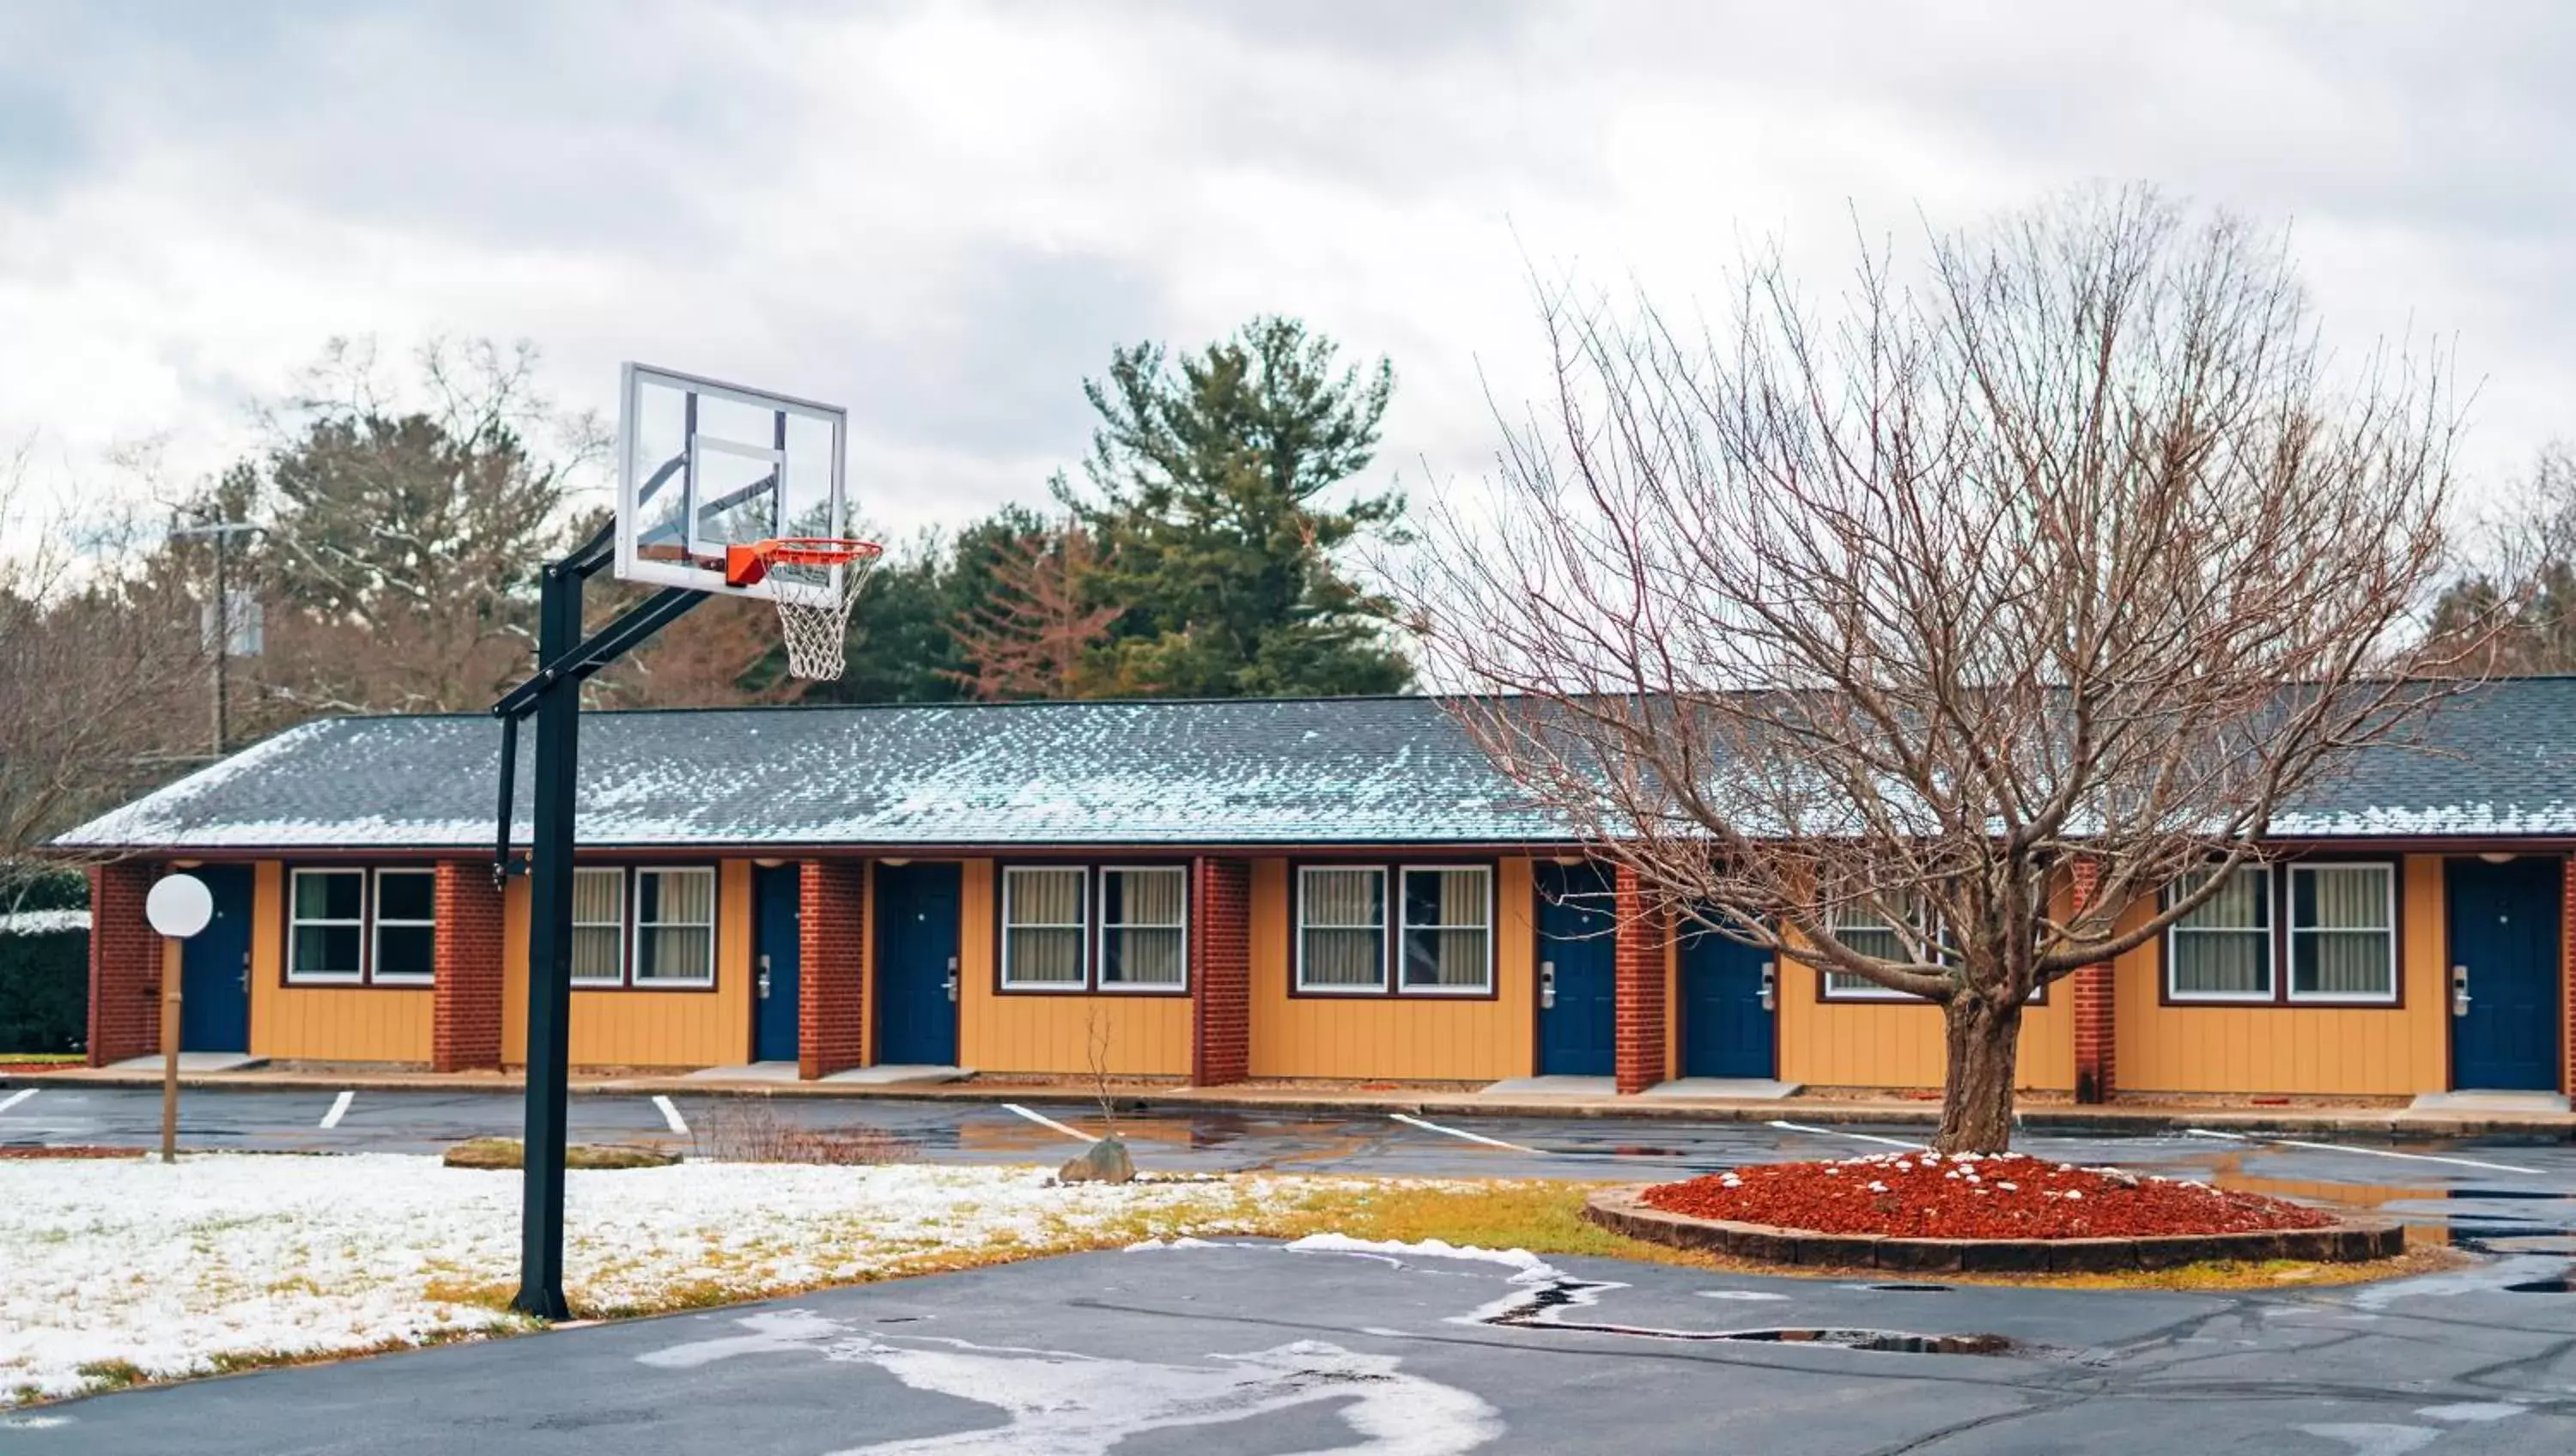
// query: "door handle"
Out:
[1546,984]
[764,978]
[245,971]
[2459,990]
[1770,985]
[952,980]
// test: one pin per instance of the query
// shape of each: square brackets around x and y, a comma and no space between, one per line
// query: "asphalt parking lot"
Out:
[1251,1348]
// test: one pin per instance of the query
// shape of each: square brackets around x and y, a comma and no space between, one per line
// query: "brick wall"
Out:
[124,964]
[465,1007]
[1221,971]
[1639,972]
[2097,1072]
[831,998]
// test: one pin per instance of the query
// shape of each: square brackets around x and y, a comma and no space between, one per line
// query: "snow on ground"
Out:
[226,1256]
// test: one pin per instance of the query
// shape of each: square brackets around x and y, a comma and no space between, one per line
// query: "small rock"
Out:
[1105,1161]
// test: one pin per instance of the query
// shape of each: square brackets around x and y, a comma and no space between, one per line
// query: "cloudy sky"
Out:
[944,216]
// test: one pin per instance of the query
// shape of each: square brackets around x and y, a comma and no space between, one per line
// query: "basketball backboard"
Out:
[704,465]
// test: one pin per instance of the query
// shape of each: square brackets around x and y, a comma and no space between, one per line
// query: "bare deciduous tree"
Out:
[1869,638]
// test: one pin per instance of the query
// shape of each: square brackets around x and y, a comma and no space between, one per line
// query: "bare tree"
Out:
[1963,637]
[1038,632]
[2519,597]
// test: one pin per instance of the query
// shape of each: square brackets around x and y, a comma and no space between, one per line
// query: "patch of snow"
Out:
[43,922]
[1529,1268]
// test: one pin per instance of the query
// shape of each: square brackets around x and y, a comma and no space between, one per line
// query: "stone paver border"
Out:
[1624,1210]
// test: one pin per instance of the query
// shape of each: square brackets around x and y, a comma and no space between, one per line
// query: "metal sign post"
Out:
[178,907]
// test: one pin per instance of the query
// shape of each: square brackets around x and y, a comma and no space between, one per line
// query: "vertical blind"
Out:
[1342,935]
[1043,927]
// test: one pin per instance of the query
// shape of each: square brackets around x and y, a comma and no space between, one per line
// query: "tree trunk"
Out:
[1977,1097]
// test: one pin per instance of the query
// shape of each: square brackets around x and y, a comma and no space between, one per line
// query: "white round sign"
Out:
[179,906]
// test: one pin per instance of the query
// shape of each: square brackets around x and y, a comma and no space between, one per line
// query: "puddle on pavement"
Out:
[1909,1288]
[1536,1312]
[2543,1286]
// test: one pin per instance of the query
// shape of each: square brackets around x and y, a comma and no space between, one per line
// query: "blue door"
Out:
[214,968]
[2504,933]
[1578,1012]
[779,893]
[916,965]
[1726,1030]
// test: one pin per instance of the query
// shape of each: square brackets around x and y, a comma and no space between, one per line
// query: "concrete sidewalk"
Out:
[2393,1123]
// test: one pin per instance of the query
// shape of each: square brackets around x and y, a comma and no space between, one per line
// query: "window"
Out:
[1044,931]
[675,927]
[2343,932]
[355,927]
[328,927]
[1341,930]
[1866,932]
[1448,930]
[406,944]
[1144,934]
[598,927]
[2222,951]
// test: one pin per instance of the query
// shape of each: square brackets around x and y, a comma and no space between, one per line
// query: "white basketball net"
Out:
[814,612]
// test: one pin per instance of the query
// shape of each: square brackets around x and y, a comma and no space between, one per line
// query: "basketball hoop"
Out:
[814,580]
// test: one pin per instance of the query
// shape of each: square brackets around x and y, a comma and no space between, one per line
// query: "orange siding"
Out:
[1137,1035]
[2367,1051]
[1899,1043]
[629,1028]
[1415,1037]
[322,1023]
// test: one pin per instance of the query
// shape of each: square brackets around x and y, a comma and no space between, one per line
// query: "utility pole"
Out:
[220,634]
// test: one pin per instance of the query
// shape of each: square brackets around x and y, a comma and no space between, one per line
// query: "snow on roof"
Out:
[2499,761]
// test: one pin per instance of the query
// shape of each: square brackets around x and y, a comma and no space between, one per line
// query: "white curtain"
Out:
[1452,946]
[1344,915]
[1144,927]
[2224,948]
[675,925]
[2344,938]
[599,925]
[1046,927]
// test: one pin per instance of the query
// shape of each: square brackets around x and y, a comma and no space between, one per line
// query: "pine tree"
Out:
[1037,633]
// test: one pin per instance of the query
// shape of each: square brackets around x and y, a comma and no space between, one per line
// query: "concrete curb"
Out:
[2379,1124]
[1623,1210]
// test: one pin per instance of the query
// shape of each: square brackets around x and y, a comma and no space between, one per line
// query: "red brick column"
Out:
[831,944]
[2566,976]
[124,964]
[1221,971]
[465,1004]
[1639,981]
[2097,1072]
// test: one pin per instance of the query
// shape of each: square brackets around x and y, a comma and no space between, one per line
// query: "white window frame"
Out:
[2286,912]
[1860,988]
[1099,964]
[1085,925]
[296,921]
[634,941]
[1396,902]
[2273,949]
[376,974]
[623,926]
[1387,914]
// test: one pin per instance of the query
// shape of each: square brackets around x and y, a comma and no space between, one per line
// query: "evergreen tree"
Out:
[1208,479]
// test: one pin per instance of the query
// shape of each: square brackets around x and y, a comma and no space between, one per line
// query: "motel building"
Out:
[1215,892]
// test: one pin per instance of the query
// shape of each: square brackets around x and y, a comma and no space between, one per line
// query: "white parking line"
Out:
[14,1098]
[2238,1137]
[671,1115]
[1456,1133]
[1838,1132]
[1042,1120]
[339,1109]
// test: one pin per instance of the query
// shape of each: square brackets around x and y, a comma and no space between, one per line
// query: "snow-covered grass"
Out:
[118,1271]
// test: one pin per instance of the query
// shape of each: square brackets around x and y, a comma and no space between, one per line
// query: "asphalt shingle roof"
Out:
[2500,762]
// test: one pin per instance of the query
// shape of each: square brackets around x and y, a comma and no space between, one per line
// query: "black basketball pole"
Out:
[553,697]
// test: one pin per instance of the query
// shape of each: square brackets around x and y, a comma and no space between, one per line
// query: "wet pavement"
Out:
[2498,1192]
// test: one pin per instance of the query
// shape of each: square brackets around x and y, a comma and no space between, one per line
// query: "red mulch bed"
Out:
[1997,1196]
[30,1153]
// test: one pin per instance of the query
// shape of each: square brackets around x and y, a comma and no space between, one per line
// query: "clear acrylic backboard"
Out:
[704,465]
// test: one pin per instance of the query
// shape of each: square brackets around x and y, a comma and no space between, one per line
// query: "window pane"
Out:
[1336,957]
[2345,897]
[1046,957]
[2342,963]
[1046,897]
[406,895]
[1444,897]
[2222,963]
[329,894]
[674,953]
[1453,959]
[1343,898]
[598,897]
[2241,905]
[406,950]
[597,954]
[1143,897]
[326,950]
[675,897]
[1141,956]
